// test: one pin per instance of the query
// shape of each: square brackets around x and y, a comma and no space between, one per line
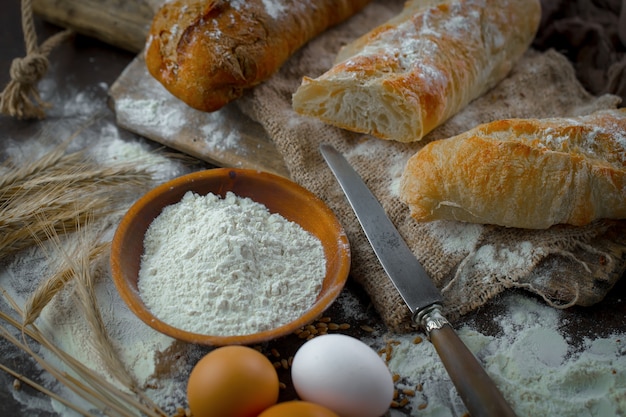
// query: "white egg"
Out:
[343,374]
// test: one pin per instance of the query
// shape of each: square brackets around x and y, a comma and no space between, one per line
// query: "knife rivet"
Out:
[431,318]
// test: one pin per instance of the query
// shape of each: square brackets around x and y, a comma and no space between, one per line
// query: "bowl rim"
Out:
[132,297]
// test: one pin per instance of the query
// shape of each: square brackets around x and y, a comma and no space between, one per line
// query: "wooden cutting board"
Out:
[225,138]
[122,23]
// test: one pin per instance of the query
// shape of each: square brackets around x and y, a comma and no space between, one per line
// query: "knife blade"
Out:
[477,390]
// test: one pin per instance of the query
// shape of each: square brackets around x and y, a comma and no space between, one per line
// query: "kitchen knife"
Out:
[477,390]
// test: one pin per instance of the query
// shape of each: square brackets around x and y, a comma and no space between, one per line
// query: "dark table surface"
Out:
[84,63]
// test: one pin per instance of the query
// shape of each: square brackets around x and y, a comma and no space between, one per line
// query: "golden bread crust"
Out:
[207,53]
[526,173]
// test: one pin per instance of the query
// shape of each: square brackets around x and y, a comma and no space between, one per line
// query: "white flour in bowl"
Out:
[227,266]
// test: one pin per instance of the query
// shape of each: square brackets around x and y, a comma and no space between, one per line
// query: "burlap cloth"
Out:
[470,263]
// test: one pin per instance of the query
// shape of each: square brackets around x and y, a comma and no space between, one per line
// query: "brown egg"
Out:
[232,381]
[298,409]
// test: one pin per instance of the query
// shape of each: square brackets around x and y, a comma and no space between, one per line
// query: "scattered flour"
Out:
[116,150]
[539,371]
[165,118]
[73,103]
[455,237]
[227,266]
[150,112]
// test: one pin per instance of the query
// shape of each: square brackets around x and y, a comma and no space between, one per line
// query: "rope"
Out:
[20,97]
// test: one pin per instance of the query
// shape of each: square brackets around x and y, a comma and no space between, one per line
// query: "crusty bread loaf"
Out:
[531,173]
[207,52]
[407,76]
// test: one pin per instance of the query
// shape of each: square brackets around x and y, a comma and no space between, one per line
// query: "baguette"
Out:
[525,173]
[409,75]
[208,52]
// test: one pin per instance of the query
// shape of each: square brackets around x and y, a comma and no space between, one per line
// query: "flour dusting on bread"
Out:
[410,74]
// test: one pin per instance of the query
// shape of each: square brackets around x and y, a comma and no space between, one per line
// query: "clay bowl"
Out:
[278,194]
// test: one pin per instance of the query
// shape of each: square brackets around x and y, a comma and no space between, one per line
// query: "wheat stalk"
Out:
[100,393]
[95,389]
[45,291]
[87,301]
[56,195]
[78,266]
[8,336]
[60,189]
[18,174]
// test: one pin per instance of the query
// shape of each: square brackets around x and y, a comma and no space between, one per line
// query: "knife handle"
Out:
[477,390]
